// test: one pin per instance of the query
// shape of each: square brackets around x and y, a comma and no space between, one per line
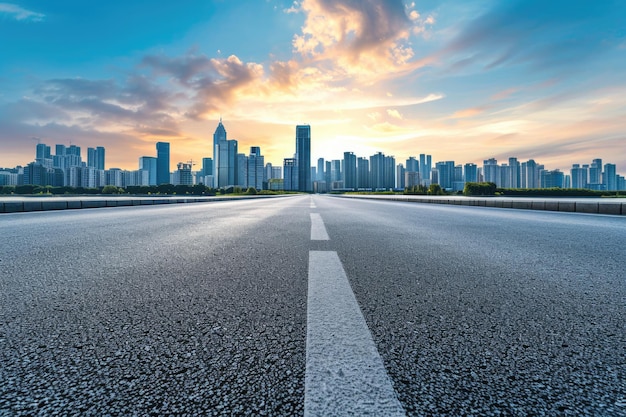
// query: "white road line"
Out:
[345,375]
[318,230]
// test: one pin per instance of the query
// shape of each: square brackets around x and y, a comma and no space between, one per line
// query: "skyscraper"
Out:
[303,157]
[95,157]
[149,163]
[224,158]
[349,170]
[163,162]
[290,174]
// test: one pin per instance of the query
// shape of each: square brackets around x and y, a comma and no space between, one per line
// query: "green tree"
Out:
[110,189]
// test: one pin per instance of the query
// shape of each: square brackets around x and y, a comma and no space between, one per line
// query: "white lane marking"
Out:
[345,374]
[313,205]
[318,230]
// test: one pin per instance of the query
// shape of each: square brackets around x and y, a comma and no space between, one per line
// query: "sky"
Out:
[462,80]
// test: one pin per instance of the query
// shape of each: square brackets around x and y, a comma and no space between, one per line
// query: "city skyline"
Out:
[463,81]
[232,169]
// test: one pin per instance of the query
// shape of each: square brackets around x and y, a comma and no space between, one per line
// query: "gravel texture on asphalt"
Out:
[490,312]
[154,311]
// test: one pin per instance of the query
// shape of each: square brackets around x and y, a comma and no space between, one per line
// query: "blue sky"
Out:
[461,80]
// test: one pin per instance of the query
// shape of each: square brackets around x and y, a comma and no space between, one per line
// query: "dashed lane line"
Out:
[345,374]
[318,230]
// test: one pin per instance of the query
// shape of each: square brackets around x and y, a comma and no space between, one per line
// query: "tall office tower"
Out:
[609,177]
[95,157]
[389,167]
[303,156]
[163,162]
[328,174]
[207,167]
[579,176]
[595,174]
[268,173]
[400,183]
[470,173]
[349,170]
[412,164]
[224,158]
[277,172]
[42,151]
[149,163]
[43,157]
[290,174]
[514,173]
[255,173]
[242,170]
[491,171]
[377,170]
[504,176]
[363,173]
[445,174]
[426,167]
[530,174]
[320,169]
[335,170]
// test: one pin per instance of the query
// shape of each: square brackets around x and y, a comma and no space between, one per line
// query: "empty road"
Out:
[313,305]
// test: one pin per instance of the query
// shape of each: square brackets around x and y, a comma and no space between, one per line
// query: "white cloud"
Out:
[394,113]
[19,13]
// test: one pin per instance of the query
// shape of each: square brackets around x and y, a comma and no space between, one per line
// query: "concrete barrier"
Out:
[538,205]
[587,207]
[112,203]
[521,204]
[124,203]
[13,207]
[74,204]
[146,202]
[93,203]
[53,205]
[611,208]
[32,205]
[552,205]
[567,206]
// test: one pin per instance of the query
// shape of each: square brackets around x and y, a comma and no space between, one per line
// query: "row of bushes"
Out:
[489,188]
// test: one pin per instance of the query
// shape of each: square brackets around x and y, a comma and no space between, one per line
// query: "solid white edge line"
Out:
[345,374]
[318,230]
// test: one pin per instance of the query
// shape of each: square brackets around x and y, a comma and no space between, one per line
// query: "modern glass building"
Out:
[303,157]
[163,162]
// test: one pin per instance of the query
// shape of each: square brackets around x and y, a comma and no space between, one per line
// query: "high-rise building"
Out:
[400,181]
[382,171]
[530,174]
[609,177]
[290,174]
[225,159]
[349,170]
[445,174]
[320,169]
[491,171]
[551,179]
[425,168]
[579,176]
[149,164]
[303,157]
[182,176]
[163,162]
[470,173]
[363,173]
[595,174]
[412,164]
[254,170]
[95,157]
[514,173]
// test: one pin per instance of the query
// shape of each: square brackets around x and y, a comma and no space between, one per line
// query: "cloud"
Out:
[357,37]
[394,113]
[19,13]
[536,34]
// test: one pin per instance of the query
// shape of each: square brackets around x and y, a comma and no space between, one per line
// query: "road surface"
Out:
[312,305]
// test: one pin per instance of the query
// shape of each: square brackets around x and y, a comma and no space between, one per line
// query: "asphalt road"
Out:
[230,308]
